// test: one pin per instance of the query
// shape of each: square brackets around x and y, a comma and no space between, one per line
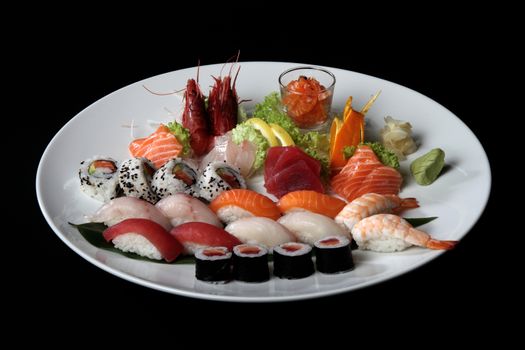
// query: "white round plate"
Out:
[457,197]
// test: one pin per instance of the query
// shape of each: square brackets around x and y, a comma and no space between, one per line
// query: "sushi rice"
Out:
[100,183]
[176,176]
[135,178]
[218,177]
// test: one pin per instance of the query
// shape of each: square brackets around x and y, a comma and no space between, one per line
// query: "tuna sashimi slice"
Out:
[298,176]
[292,155]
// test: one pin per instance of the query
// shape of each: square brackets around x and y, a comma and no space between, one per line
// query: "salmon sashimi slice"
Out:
[363,174]
[311,201]
[251,201]
[159,147]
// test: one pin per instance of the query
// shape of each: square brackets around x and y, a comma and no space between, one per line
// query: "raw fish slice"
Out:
[253,202]
[258,230]
[311,227]
[159,147]
[197,235]
[292,155]
[363,174]
[297,177]
[123,208]
[311,201]
[238,156]
[181,208]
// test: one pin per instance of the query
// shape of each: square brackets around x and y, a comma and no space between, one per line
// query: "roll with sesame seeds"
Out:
[218,177]
[176,176]
[134,178]
[99,178]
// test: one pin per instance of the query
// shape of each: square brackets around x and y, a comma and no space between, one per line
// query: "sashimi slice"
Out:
[311,201]
[195,235]
[364,173]
[298,176]
[159,147]
[292,155]
[251,201]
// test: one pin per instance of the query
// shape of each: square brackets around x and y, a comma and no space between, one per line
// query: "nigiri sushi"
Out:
[197,235]
[311,227]
[145,238]
[260,230]
[311,201]
[236,204]
[123,208]
[181,208]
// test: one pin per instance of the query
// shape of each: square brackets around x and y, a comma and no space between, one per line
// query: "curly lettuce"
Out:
[384,155]
[183,136]
[246,131]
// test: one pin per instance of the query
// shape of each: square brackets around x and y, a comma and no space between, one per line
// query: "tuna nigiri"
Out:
[364,173]
[145,238]
[240,203]
[311,201]
[158,147]
[198,235]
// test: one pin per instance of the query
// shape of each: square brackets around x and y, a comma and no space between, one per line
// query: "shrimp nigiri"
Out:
[390,233]
[370,204]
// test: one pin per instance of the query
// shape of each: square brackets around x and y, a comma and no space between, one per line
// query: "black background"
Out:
[80,60]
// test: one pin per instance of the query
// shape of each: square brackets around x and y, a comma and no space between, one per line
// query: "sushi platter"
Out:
[242,205]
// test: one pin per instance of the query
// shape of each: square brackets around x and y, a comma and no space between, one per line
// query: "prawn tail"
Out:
[441,245]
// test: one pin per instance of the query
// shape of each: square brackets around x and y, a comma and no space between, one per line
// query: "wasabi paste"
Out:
[426,168]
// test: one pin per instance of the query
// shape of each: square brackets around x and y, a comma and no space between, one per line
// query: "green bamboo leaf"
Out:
[415,222]
[92,232]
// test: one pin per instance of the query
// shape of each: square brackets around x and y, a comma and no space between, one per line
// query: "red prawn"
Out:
[195,119]
[223,104]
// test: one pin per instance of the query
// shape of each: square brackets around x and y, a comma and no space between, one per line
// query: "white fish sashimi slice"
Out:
[260,230]
[310,227]
[238,156]
[181,208]
[120,209]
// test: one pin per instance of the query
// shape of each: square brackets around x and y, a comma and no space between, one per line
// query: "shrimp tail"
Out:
[437,244]
[406,203]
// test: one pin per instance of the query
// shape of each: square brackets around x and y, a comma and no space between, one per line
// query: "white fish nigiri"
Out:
[260,230]
[310,227]
[120,209]
[181,208]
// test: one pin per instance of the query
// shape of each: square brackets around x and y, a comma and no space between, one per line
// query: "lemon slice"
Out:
[265,130]
[284,138]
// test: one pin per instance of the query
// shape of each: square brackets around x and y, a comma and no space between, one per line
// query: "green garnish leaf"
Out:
[415,222]
[92,232]
[183,136]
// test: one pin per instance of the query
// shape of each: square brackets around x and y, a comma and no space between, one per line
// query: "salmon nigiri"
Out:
[159,147]
[364,173]
[311,201]
[239,203]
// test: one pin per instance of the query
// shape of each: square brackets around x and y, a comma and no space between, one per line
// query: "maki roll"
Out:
[135,178]
[98,178]
[218,177]
[176,176]
[213,264]
[250,263]
[333,255]
[292,260]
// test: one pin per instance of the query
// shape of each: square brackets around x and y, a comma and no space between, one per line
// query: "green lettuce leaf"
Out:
[183,136]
